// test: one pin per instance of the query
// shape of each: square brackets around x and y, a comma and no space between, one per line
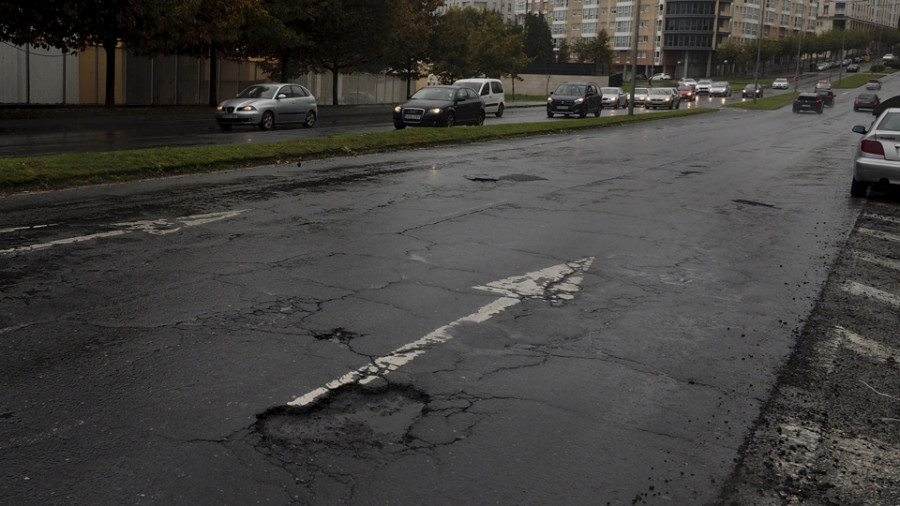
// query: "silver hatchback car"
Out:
[877,159]
[265,105]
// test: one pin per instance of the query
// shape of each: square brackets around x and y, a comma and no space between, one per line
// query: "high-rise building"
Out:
[504,7]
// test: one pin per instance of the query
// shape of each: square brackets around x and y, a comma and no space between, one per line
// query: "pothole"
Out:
[482,178]
[348,418]
[340,335]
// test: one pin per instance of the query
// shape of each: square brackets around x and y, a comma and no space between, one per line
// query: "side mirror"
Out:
[280,96]
[860,129]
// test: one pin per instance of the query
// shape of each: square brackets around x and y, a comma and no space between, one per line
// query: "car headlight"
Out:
[436,110]
[549,100]
[247,108]
[220,108]
[579,100]
[398,109]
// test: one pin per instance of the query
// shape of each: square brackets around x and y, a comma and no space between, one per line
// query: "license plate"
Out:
[561,107]
[230,116]
[412,116]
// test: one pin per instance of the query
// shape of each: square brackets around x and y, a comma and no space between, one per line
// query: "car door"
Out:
[466,101]
[305,101]
[286,105]
[595,97]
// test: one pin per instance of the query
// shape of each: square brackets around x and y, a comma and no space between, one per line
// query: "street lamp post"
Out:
[799,46]
[762,12]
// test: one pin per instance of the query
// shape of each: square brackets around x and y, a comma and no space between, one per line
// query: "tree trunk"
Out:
[213,77]
[334,85]
[110,47]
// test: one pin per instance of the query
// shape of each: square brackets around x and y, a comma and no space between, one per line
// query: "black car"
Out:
[575,98]
[827,96]
[809,102]
[853,67]
[440,106]
[866,101]
[750,90]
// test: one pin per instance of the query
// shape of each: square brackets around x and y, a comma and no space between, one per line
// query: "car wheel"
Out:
[480,120]
[500,111]
[400,125]
[267,121]
[820,111]
[549,114]
[224,126]
[597,112]
[451,120]
[858,189]
[583,113]
[310,119]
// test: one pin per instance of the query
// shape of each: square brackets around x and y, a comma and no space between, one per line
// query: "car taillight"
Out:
[871,147]
[856,101]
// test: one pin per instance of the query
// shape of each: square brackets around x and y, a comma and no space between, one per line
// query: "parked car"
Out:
[780,84]
[752,90]
[575,98]
[662,76]
[809,102]
[687,92]
[873,84]
[703,86]
[888,56]
[827,97]
[866,101]
[613,98]
[490,91]
[853,67]
[877,158]
[822,66]
[640,96]
[440,106]
[662,98]
[265,105]
[720,89]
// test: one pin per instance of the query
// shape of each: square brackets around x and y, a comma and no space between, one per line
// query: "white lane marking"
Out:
[866,347]
[553,283]
[889,219]
[29,227]
[878,260]
[855,288]
[878,234]
[155,227]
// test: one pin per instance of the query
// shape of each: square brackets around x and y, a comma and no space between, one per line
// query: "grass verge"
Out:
[856,80]
[68,170]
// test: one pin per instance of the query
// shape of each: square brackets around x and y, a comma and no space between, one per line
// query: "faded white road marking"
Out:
[881,217]
[878,234]
[155,227]
[878,260]
[855,288]
[554,283]
[29,227]
[868,348]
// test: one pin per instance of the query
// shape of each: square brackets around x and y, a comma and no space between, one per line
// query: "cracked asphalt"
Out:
[154,333]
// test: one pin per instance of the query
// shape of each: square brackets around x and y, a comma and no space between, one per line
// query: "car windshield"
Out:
[570,90]
[685,88]
[610,91]
[434,93]
[866,96]
[659,91]
[640,91]
[259,91]
[720,85]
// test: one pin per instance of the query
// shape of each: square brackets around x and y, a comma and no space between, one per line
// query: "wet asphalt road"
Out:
[154,333]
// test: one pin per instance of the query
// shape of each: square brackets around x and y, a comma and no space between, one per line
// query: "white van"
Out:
[490,90]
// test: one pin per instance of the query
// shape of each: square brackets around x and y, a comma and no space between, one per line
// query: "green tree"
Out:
[538,41]
[595,50]
[410,37]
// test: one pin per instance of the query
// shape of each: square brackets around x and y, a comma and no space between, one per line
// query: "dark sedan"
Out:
[866,101]
[575,98]
[440,106]
[752,90]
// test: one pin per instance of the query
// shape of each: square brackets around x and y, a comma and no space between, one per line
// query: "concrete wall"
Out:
[34,75]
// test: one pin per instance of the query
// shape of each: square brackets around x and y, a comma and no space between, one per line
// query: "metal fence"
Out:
[30,75]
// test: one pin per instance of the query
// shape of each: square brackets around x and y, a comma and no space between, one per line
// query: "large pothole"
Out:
[348,418]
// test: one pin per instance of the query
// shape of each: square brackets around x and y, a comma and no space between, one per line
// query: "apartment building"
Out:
[504,7]
[870,15]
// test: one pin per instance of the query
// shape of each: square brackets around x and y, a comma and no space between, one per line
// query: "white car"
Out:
[780,84]
[660,76]
[703,86]
[265,105]
[687,81]
[490,90]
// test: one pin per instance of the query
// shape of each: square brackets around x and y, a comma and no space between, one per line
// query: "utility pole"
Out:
[634,50]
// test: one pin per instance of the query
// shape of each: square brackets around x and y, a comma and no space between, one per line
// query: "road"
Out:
[135,128]
[591,318]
